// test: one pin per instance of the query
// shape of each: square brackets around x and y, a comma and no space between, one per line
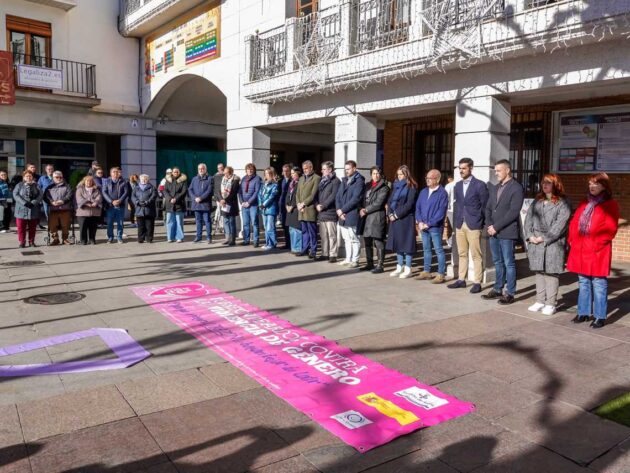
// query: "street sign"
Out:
[7,85]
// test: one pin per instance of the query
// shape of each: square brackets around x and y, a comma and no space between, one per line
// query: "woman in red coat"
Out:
[591,233]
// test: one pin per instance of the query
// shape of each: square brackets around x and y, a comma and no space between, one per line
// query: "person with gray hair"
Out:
[200,194]
[59,197]
[144,196]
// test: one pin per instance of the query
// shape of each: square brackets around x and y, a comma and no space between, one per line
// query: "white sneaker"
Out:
[549,310]
[406,273]
[397,272]
[353,264]
[536,307]
[178,241]
[343,263]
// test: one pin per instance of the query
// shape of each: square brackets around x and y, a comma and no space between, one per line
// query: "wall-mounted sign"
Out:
[7,84]
[594,142]
[39,77]
[185,42]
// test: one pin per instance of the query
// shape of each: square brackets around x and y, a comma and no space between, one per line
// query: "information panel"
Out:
[597,142]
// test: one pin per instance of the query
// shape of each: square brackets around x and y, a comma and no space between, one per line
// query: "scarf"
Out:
[143,186]
[226,186]
[399,193]
[292,184]
[587,216]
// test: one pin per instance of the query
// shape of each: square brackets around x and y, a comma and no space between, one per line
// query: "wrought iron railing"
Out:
[382,23]
[269,55]
[77,77]
[318,37]
[128,7]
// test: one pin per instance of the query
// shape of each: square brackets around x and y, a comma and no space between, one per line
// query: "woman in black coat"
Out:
[229,204]
[292,215]
[143,197]
[402,226]
[374,219]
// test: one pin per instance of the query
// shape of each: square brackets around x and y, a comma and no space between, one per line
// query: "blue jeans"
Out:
[229,226]
[270,230]
[433,238]
[202,217]
[296,239]
[404,259]
[309,237]
[593,294]
[250,217]
[174,225]
[115,214]
[504,264]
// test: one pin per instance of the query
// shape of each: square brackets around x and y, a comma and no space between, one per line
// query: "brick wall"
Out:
[392,148]
[576,188]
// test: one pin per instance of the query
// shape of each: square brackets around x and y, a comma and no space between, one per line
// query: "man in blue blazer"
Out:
[471,197]
[348,200]
[431,208]
[502,216]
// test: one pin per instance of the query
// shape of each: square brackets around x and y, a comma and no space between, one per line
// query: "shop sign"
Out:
[7,85]
[39,77]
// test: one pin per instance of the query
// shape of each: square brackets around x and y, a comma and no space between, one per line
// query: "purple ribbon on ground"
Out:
[128,352]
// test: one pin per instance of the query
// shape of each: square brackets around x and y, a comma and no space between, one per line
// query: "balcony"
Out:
[359,42]
[75,82]
[63,4]
[138,18]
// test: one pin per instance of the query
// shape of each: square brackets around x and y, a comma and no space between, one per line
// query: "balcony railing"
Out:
[269,53]
[382,23]
[78,78]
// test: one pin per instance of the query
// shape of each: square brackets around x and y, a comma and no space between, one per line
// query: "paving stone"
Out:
[269,409]
[229,378]
[417,462]
[217,436]
[292,465]
[81,381]
[72,411]
[561,428]
[493,398]
[532,459]
[14,459]
[616,460]
[317,437]
[427,366]
[123,446]
[10,430]
[158,393]
[20,389]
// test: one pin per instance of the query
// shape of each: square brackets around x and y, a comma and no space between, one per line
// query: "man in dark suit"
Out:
[471,197]
[502,214]
[284,191]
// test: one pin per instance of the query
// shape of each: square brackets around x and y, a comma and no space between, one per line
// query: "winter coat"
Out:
[44,181]
[28,200]
[89,195]
[201,187]
[216,186]
[375,198]
[144,200]
[112,191]
[175,190]
[248,191]
[307,195]
[268,198]
[431,208]
[401,237]
[283,184]
[292,218]
[550,221]
[5,193]
[326,197]
[504,214]
[591,255]
[349,199]
[60,191]
[232,198]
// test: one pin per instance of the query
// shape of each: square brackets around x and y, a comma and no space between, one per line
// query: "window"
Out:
[306,7]
[29,41]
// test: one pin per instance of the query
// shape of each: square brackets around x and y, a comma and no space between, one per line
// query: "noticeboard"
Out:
[591,142]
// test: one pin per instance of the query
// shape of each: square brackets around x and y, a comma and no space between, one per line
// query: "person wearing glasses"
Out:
[431,209]
[58,196]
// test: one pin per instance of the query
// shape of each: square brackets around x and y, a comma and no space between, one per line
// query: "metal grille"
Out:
[270,53]
[382,23]
[318,37]
[78,78]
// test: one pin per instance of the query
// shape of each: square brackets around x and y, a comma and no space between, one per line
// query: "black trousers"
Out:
[146,226]
[370,243]
[87,228]
[6,218]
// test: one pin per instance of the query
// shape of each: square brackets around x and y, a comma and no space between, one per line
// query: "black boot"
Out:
[380,252]
[369,256]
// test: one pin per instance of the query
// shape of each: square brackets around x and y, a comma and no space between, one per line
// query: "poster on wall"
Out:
[7,84]
[598,142]
[188,41]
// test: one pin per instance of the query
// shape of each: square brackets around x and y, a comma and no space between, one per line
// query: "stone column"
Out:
[138,155]
[482,133]
[248,145]
[355,139]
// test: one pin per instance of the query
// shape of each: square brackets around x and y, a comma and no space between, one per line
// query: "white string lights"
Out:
[443,35]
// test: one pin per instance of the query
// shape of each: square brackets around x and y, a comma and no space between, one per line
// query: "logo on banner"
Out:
[186,290]
[388,408]
[351,419]
[421,398]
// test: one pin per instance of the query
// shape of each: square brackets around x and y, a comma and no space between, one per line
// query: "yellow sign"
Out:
[388,408]
[187,41]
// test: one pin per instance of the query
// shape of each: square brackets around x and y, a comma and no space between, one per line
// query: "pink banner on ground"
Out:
[362,402]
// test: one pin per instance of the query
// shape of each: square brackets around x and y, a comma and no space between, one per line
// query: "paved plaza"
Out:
[534,379]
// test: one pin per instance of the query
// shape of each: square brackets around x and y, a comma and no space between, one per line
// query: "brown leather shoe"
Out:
[439,279]
[424,276]
[55,242]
